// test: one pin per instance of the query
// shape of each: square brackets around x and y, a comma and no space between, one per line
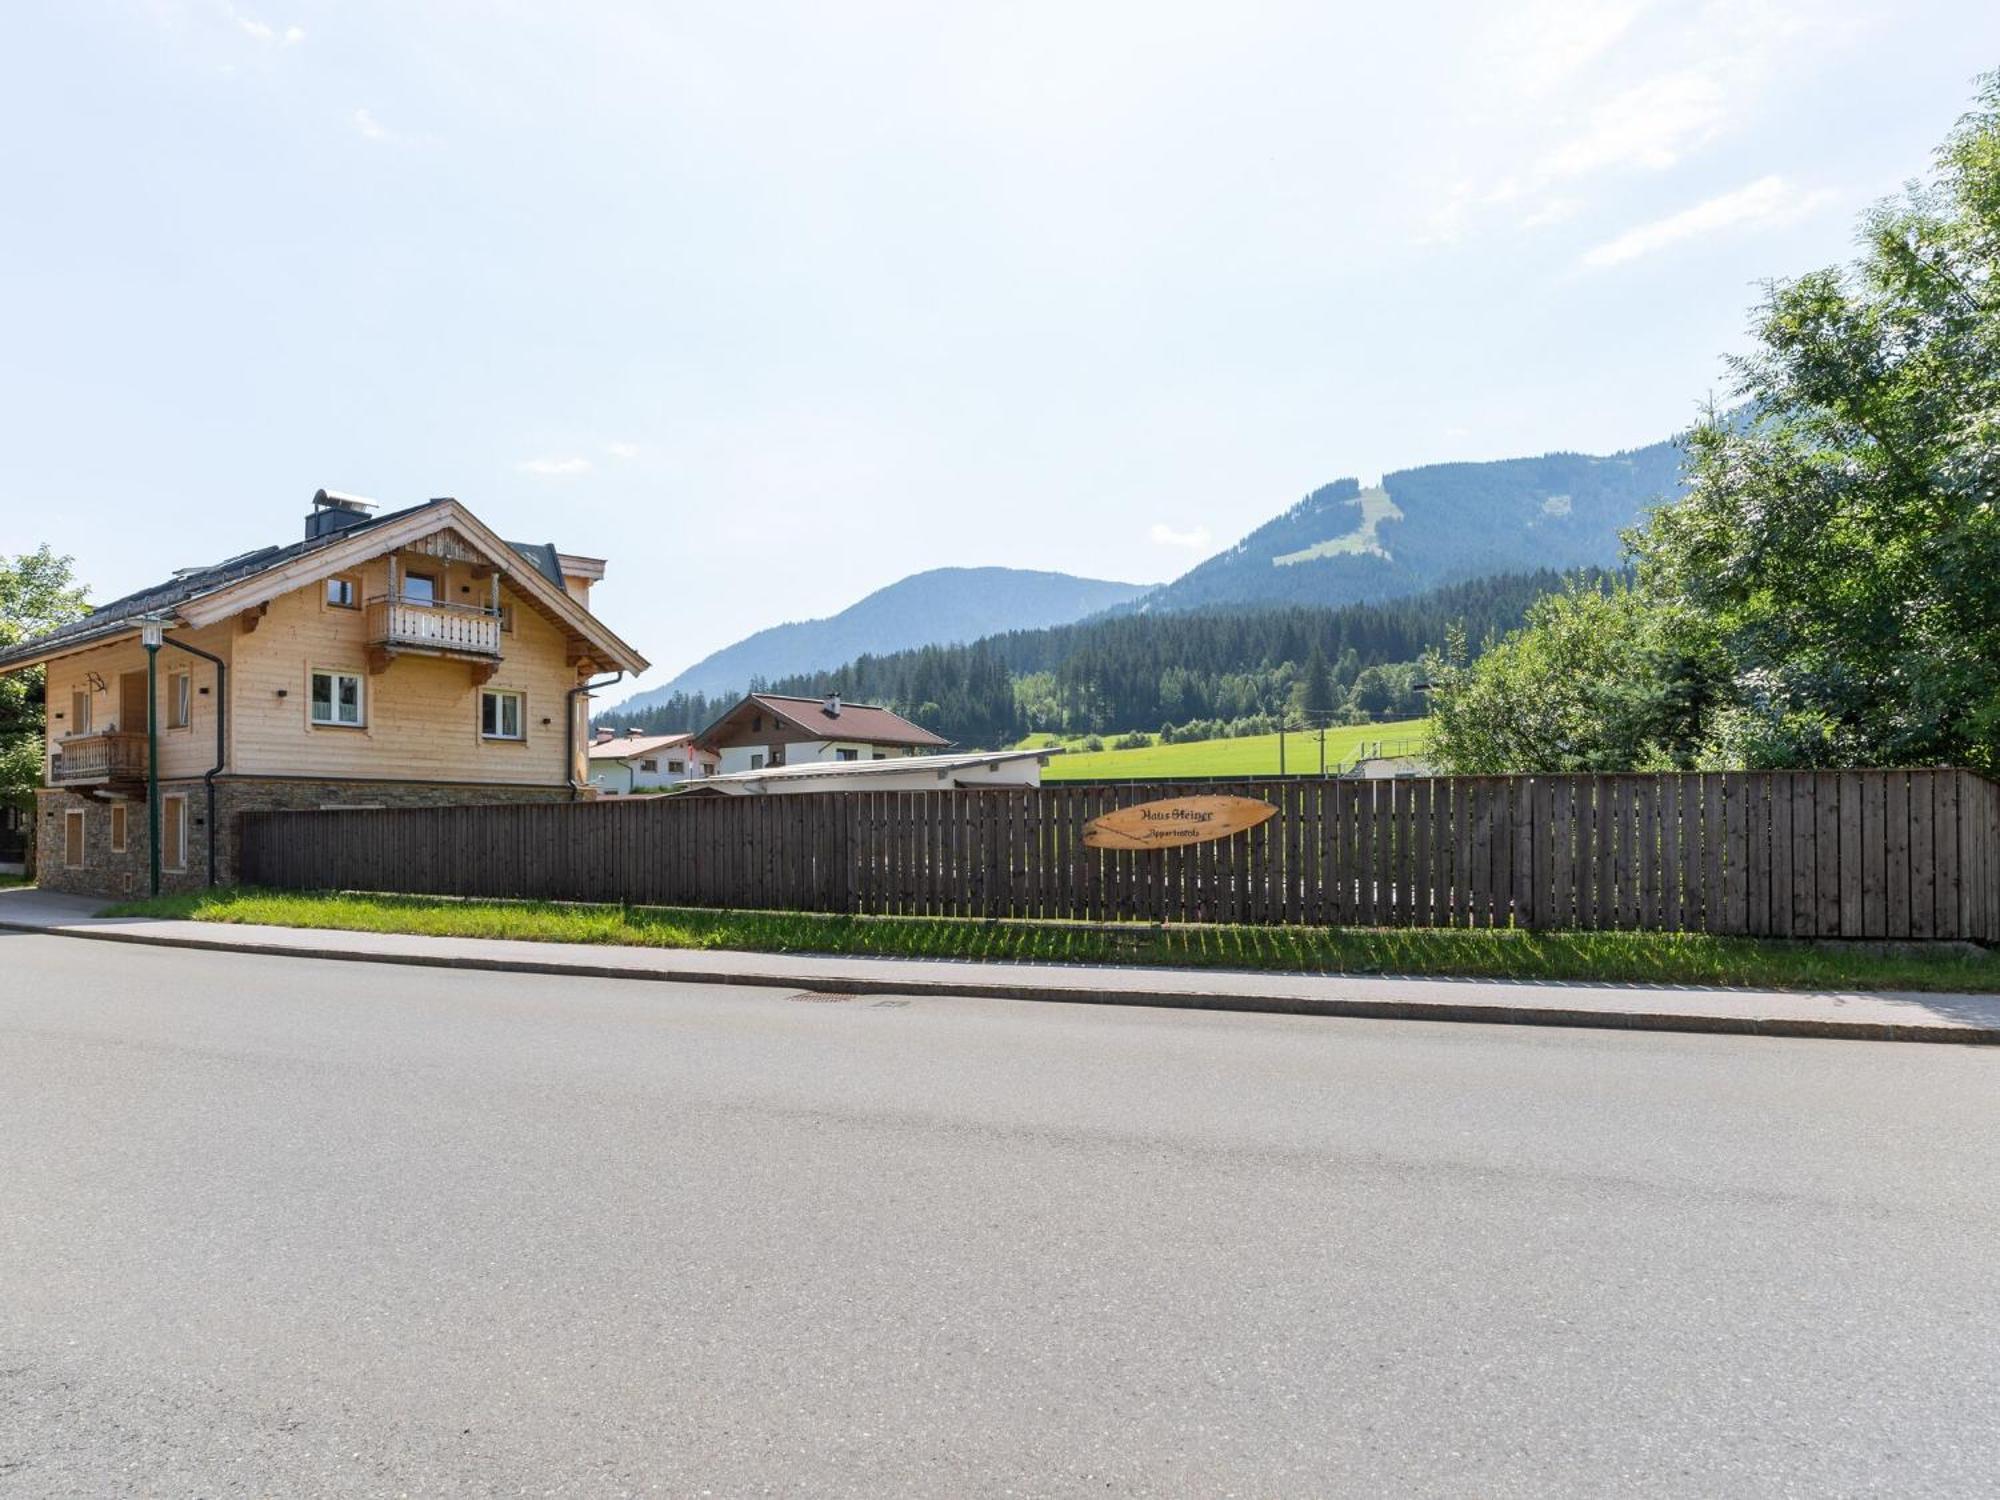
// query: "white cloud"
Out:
[1653,124]
[1767,201]
[622,450]
[1550,40]
[369,126]
[264,32]
[554,468]
[1194,539]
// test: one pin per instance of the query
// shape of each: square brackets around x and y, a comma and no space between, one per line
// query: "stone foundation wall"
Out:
[126,875]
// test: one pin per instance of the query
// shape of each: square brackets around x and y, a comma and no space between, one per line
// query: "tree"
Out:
[38,592]
[1830,584]
[1316,698]
[1600,679]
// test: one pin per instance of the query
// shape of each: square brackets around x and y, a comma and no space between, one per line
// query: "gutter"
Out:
[221,722]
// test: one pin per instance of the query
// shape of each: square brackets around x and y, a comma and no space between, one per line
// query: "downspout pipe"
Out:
[221,738]
[581,690]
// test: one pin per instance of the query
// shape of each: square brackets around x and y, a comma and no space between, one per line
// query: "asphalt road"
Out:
[284,1227]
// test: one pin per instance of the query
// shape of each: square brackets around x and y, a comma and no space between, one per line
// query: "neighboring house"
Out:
[766,730]
[633,762]
[912,773]
[384,660]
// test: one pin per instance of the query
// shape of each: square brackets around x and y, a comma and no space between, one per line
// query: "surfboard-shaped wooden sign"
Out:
[1176,821]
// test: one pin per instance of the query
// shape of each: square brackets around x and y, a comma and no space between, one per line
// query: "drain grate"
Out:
[821,997]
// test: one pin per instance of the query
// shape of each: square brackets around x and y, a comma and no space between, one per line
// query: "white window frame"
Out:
[350,584]
[501,696]
[79,710]
[180,700]
[360,680]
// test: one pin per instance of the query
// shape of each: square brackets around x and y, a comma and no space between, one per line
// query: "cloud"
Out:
[264,32]
[1652,124]
[1550,40]
[1767,201]
[622,450]
[1194,539]
[370,127]
[554,468]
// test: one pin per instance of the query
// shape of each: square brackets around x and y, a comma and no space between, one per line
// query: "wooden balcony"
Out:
[99,760]
[466,631]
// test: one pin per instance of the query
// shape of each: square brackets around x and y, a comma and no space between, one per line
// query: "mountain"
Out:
[1439,524]
[941,607]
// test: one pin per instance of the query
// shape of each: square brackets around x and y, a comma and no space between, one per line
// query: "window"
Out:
[675,767]
[79,711]
[180,700]
[507,618]
[500,715]
[756,762]
[847,755]
[336,699]
[173,833]
[73,840]
[880,756]
[118,814]
[343,593]
[649,765]
[420,588]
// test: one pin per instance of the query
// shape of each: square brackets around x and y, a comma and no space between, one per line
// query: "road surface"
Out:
[280,1226]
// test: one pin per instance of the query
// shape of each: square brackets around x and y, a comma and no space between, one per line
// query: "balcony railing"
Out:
[88,759]
[454,629]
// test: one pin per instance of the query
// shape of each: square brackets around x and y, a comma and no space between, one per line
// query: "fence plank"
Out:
[1896,856]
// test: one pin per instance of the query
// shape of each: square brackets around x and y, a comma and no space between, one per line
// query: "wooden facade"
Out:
[1883,854]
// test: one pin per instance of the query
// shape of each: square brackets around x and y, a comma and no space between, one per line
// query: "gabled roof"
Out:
[867,723]
[199,596]
[627,746]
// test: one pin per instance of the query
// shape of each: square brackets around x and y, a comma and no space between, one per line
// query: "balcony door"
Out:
[132,702]
[420,588]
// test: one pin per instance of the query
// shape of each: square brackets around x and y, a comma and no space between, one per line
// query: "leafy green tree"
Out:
[1600,679]
[1828,591]
[1846,542]
[38,592]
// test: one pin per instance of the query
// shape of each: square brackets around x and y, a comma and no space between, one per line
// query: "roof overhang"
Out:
[260,588]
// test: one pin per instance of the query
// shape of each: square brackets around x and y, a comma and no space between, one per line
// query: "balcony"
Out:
[469,631]
[104,760]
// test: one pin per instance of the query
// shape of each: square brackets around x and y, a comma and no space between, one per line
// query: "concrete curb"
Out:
[1084,994]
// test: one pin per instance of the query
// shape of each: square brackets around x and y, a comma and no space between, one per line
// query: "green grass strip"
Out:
[1609,957]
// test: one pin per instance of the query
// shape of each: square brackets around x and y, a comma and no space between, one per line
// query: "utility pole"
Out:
[150,636]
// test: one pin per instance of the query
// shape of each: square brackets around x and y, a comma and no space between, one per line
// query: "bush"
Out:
[1136,740]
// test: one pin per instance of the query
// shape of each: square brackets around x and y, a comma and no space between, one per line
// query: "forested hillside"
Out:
[1439,524]
[945,604]
[1146,671]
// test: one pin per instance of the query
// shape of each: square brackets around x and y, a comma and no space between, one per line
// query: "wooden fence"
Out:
[1873,854]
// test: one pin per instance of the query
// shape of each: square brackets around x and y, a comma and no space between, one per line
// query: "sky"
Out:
[773,304]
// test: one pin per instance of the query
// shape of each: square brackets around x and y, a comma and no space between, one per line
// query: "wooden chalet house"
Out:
[768,730]
[412,658]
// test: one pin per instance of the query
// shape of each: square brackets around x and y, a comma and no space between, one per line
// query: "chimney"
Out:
[832,705]
[333,512]
[606,734]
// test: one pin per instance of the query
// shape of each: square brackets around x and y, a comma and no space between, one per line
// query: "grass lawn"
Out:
[1615,957]
[7,880]
[1254,755]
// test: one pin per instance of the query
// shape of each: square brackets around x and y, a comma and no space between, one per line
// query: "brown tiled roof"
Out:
[856,721]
